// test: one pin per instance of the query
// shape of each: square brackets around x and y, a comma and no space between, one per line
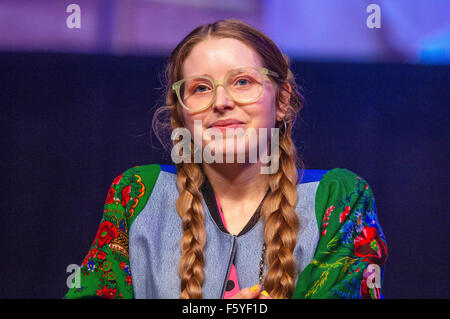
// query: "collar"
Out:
[210,200]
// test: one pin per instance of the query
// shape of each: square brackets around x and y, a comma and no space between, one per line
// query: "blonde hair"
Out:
[278,209]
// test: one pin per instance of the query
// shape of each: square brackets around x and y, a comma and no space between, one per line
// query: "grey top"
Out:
[154,244]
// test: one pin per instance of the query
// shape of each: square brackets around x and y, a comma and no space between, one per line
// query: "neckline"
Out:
[211,203]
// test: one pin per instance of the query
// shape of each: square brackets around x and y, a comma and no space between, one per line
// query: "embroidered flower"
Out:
[106,292]
[106,266]
[371,218]
[106,233]
[129,280]
[370,246]
[90,265]
[126,195]
[326,218]
[344,214]
[359,222]
[93,253]
[117,179]
[101,255]
[110,196]
[347,230]
[85,261]
[327,214]
[123,225]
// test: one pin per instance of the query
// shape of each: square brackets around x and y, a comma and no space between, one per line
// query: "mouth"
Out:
[227,123]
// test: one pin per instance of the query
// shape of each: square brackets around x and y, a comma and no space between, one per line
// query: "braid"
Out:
[280,219]
[190,210]
[281,223]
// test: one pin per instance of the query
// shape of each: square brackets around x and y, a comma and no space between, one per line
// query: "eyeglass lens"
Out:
[244,85]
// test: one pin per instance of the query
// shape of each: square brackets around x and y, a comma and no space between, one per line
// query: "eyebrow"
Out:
[206,74]
[194,75]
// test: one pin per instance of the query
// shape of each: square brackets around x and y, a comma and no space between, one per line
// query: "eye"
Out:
[200,88]
[243,82]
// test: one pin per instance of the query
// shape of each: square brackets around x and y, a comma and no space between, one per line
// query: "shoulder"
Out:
[335,175]
[340,184]
[132,188]
[340,194]
[335,182]
[342,178]
[336,189]
[350,239]
[148,173]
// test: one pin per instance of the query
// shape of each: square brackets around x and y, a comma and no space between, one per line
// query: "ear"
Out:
[285,95]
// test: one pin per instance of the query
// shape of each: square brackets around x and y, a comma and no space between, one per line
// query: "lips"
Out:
[227,123]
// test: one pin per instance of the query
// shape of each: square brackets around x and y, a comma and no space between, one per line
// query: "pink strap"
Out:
[233,274]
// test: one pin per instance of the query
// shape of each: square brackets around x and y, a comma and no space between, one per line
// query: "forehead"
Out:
[216,57]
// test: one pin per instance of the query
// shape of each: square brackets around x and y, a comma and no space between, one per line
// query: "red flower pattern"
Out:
[129,280]
[344,214]
[126,195]
[116,181]
[369,245]
[326,218]
[101,255]
[106,233]
[106,292]
[110,196]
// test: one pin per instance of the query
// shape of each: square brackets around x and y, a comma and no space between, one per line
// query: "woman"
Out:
[234,229]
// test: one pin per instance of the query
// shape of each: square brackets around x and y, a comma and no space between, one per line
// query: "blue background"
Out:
[72,123]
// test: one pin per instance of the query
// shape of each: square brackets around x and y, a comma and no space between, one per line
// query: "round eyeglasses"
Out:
[243,85]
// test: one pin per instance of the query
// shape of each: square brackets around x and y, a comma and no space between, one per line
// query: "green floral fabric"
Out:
[351,252]
[105,271]
[348,262]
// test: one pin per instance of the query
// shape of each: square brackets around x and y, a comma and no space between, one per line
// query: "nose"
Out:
[223,100]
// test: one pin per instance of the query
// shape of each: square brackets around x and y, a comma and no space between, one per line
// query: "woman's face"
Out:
[215,57]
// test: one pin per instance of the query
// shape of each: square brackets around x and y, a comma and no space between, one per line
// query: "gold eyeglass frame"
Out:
[176,86]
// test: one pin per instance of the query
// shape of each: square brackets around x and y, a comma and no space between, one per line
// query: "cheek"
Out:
[189,120]
[263,114]
[196,130]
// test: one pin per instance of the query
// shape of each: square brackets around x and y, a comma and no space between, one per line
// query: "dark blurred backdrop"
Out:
[71,121]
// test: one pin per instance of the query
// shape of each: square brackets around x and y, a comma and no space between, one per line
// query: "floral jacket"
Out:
[347,262]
